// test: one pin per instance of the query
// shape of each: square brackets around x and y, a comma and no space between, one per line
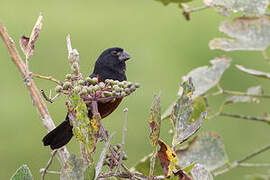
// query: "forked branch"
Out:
[32,88]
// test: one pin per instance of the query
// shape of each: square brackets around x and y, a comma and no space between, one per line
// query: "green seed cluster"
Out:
[91,86]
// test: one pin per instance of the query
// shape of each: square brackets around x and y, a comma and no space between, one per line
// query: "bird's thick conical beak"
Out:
[124,56]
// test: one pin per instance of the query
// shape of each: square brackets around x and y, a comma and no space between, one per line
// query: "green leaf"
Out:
[89,173]
[199,172]
[251,34]
[155,120]
[186,117]
[76,169]
[204,78]
[206,149]
[189,167]
[253,72]
[23,173]
[144,166]
[199,106]
[248,7]
[166,2]
[84,130]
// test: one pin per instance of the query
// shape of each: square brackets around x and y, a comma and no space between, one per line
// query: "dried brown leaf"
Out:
[167,158]
[28,44]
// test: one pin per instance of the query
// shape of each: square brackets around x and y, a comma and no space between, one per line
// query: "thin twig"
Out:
[254,165]
[239,162]
[112,151]
[53,172]
[44,170]
[51,100]
[50,78]
[262,119]
[123,140]
[32,88]
[27,72]
[236,93]
[198,8]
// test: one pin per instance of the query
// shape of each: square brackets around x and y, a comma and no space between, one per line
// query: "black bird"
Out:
[111,64]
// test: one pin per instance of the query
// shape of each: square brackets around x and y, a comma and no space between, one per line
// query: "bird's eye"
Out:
[114,53]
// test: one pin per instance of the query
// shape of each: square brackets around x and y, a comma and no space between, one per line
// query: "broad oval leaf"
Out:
[144,166]
[23,173]
[248,7]
[199,172]
[204,78]
[76,169]
[206,149]
[247,34]
[186,118]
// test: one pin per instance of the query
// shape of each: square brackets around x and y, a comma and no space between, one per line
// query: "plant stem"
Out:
[262,119]
[50,78]
[254,164]
[123,140]
[51,100]
[198,8]
[44,170]
[32,89]
[243,159]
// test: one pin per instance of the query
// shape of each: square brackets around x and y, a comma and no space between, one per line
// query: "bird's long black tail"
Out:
[60,136]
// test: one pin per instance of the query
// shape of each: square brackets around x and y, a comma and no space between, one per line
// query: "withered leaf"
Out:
[206,149]
[76,169]
[155,120]
[167,158]
[28,44]
[204,78]
[24,44]
[186,118]
[247,34]
[199,172]
[182,175]
[248,7]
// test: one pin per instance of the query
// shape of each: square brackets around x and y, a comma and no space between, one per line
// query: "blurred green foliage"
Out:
[164,47]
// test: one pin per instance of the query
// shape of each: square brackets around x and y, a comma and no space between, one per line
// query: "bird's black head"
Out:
[111,64]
